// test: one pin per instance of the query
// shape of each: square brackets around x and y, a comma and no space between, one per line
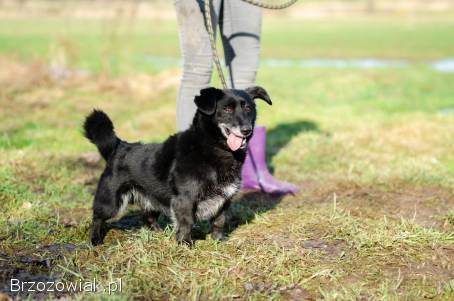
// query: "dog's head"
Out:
[232,111]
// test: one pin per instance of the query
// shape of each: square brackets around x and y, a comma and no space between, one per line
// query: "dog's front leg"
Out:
[218,223]
[183,218]
[217,226]
[97,235]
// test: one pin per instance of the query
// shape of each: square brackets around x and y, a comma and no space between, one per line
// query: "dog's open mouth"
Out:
[234,141]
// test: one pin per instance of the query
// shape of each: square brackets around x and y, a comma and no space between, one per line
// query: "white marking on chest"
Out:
[230,190]
[210,207]
[173,218]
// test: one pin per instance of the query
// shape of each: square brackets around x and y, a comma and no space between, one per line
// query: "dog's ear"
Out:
[258,92]
[206,101]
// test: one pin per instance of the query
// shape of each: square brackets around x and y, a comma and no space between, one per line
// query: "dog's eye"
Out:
[247,108]
[228,109]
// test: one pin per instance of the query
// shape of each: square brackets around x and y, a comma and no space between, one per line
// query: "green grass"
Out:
[371,151]
[122,45]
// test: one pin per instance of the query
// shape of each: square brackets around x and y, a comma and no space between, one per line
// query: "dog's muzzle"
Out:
[235,139]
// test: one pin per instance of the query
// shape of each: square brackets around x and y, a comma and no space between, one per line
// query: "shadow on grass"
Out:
[247,205]
[279,136]
[242,211]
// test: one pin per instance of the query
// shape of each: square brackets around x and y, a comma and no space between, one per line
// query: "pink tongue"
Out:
[234,142]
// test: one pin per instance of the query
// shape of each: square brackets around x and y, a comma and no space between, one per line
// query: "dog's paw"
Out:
[219,236]
[154,227]
[186,242]
[96,241]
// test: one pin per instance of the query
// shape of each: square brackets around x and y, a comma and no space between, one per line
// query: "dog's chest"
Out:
[213,203]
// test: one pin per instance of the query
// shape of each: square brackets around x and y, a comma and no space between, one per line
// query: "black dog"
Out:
[192,175]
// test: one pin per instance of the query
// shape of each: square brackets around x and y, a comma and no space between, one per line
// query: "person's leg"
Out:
[255,174]
[240,29]
[197,57]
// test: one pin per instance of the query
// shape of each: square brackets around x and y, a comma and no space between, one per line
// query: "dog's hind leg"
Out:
[100,215]
[218,224]
[105,206]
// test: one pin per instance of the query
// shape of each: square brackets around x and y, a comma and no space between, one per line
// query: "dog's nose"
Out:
[246,131]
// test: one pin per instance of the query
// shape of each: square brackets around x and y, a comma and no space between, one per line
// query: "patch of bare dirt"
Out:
[329,249]
[90,159]
[32,264]
[37,85]
[86,180]
[289,292]
[15,76]
[435,271]
[71,217]
[332,248]
[138,86]
[425,205]
[5,297]
[28,172]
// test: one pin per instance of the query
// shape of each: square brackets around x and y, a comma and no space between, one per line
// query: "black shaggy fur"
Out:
[191,175]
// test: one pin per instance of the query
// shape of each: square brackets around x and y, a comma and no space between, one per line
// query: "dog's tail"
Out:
[100,131]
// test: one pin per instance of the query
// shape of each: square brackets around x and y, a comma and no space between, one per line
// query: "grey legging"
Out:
[239,24]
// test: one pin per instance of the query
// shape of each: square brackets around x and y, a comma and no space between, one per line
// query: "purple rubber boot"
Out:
[255,174]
